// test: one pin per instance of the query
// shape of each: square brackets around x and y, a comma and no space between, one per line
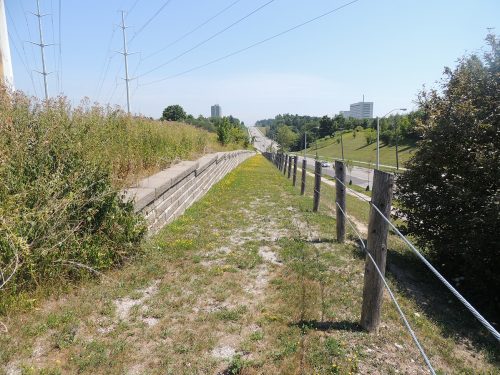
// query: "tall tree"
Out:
[173,113]
[451,191]
[325,126]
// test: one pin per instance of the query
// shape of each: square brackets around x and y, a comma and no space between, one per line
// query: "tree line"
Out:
[290,131]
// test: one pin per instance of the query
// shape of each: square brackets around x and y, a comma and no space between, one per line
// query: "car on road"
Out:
[325,164]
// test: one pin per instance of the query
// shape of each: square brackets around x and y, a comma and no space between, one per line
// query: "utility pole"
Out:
[125,55]
[6,74]
[42,46]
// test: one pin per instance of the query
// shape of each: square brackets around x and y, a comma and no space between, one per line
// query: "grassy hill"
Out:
[355,148]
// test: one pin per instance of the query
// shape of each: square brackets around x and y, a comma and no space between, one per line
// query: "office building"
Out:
[216,111]
[362,110]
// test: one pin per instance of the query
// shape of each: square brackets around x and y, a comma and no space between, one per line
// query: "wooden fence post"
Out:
[378,228]
[317,185]
[286,164]
[290,158]
[295,160]
[303,182]
[340,199]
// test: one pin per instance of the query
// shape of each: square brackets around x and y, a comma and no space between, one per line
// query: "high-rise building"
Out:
[216,111]
[360,110]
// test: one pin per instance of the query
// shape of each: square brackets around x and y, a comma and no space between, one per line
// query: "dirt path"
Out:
[248,281]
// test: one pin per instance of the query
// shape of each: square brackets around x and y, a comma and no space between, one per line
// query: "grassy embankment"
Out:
[248,281]
[61,170]
[355,148]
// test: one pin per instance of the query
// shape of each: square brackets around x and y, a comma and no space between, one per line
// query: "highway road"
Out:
[261,143]
[360,176]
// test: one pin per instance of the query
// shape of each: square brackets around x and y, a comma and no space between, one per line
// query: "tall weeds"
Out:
[61,171]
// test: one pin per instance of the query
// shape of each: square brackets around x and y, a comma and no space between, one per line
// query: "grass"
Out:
[61,172]
[355,148]
[290,304]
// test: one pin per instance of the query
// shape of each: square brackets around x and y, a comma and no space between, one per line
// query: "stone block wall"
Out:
[163,197]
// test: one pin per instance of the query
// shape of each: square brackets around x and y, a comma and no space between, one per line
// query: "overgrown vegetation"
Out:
[61,171]
[258,286]
[450,194]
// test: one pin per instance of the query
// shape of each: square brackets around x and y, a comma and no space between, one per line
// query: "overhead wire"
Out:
[106,66]
[30,38]
[182,37]
[25,60]
[146,24]
[208,39]
[252,45]
[60,44]
[132,8]
[55,61]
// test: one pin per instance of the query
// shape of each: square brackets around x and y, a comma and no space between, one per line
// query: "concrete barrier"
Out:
[164,196]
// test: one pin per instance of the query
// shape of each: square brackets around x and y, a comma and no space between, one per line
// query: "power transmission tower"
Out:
[125,54]
[6,73]
[42,46]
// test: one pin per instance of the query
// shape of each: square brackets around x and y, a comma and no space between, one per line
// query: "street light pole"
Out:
[397,155]
[342,144]
[378,142]
[305,142]
[378,132]
[316,141]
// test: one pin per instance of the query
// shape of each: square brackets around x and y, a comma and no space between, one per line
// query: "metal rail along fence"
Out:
[375,247]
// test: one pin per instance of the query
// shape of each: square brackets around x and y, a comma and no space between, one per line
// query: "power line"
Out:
[132,8]
[42,46]
[25,60]
[55,61]
[207,40]
[193,30]
[252,45]
[150,20]
[107,63]
[125,54]
[60,44]
[30,73]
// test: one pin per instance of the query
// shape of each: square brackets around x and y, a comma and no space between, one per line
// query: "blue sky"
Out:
[386,50]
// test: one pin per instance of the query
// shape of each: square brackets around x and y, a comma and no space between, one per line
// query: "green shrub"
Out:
[61,172]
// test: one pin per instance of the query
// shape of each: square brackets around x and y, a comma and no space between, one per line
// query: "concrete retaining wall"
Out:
[163,197]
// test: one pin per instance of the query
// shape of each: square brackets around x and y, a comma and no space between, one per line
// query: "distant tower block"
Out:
[216,111]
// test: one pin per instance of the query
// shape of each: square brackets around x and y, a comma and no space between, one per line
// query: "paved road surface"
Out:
[359,175]
[262,143]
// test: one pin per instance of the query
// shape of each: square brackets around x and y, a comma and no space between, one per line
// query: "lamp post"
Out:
[342,143]
[305,142]
[378,132]
[316,141]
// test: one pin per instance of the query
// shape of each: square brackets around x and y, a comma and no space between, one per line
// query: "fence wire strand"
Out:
[457,294]
[403,317]
[441,278]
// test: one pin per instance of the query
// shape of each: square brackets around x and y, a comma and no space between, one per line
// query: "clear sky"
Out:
[386,50]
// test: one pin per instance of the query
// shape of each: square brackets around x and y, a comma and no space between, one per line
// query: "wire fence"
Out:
[377,211]
[441,278]
[391,294]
